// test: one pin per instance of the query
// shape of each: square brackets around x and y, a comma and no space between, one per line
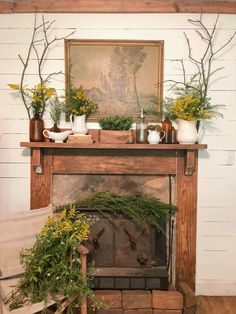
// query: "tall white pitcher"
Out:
[78,124]
[187,132]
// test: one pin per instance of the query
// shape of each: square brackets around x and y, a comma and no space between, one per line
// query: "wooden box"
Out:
[116,137]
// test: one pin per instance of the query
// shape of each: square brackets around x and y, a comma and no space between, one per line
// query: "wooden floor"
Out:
[216,305]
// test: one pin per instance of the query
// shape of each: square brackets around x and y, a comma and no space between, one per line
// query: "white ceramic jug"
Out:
[78,124]
[154,136]
[187,131]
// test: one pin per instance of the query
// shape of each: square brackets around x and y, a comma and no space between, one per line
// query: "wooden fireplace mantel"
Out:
[48,159]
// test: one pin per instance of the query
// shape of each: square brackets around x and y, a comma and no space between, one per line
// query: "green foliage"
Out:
[191,105]
[52,265]
[78,102]
[56,108]
[36,97]
[143,210]
[115,123]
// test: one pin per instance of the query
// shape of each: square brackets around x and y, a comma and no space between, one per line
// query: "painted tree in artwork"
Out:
[134,58]
[117,75]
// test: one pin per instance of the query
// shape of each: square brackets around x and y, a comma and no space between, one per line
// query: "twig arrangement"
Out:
[199,81]
[44,28]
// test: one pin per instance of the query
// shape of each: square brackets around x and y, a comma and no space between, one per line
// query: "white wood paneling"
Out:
[216,255]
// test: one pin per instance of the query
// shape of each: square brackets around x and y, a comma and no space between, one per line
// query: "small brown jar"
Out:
[36,128]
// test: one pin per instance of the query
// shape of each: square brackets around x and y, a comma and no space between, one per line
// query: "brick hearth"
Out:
[140,302]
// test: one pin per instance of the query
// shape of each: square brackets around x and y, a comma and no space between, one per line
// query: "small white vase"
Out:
[187,132]
[78,124]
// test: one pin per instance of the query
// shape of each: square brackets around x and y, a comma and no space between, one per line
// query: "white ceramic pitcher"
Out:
[154,136]
[78,124]
[187,132]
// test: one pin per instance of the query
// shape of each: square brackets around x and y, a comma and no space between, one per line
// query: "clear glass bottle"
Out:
[141,132]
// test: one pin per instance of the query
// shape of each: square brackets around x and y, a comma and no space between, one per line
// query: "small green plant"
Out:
[52,265]
[115,123]
[56,108]
[78,102]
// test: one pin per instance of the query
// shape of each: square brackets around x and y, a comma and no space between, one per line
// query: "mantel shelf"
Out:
[39,147]
[114,146]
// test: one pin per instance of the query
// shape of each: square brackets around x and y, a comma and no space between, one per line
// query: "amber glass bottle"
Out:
[55,128]
[36,128]
[166,126]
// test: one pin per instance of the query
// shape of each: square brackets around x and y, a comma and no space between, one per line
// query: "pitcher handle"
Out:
[44,133]
[164,133]
[200,129]
[71,119]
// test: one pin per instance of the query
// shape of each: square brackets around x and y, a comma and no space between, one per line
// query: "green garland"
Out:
[143,210]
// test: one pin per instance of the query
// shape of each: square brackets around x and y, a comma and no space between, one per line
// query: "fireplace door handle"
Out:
[97,237]
[132,239]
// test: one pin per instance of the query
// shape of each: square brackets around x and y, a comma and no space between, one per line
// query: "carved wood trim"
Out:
[118,6]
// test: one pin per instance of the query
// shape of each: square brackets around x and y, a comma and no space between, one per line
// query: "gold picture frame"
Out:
[120,76]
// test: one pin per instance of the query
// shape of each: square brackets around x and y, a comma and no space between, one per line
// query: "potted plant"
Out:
[36,98]
[52,265]
[188,108]
[116,129]
[55,111]
[78,106]
[192,104]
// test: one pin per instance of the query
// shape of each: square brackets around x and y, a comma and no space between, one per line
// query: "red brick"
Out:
[137,299]
[137,311]
[112,298]
[167,300]
[111,311]
[167,312]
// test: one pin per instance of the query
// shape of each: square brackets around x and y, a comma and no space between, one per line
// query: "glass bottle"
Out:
[166,127]
[141,133]
[55,128]
[173,137]
[36,128]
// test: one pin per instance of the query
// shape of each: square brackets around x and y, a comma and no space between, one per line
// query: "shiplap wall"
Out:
[216,232]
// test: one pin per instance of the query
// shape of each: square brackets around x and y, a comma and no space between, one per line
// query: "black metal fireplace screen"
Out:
[125,255]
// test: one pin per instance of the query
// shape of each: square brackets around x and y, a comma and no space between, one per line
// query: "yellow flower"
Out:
[14,86]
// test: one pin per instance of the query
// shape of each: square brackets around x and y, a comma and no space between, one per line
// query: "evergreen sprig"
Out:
[143,210]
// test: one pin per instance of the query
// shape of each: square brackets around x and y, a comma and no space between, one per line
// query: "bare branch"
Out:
[47,79]
[225,44]
[204,62]
[44,27]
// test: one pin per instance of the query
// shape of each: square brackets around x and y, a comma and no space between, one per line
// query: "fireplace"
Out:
[180,161]
[125,255]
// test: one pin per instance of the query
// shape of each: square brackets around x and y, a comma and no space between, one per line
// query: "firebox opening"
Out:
[124,255]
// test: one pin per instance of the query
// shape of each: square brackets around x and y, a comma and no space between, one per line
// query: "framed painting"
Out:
[120,76]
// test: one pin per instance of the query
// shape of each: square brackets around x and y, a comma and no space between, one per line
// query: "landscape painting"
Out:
[120,76]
